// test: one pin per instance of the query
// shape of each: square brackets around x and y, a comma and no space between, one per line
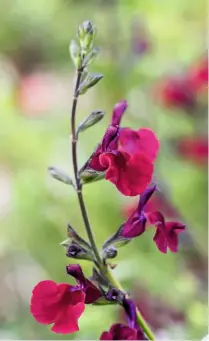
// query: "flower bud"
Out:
[109,252]
[76,251]
[90,120]
[86,33]
[89,176]
[60,175]
[90,81]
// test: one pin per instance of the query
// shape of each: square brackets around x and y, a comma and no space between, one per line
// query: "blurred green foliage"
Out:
[34,36]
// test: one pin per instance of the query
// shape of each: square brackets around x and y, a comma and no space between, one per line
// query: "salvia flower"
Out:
[166,235]
[62,304]
[126,156]
[58,304]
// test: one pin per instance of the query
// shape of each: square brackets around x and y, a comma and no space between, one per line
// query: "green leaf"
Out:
[60,175]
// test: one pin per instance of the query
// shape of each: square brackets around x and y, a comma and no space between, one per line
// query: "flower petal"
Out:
[130,173]
[145,196]
[118,112]
[142,140]
[134,226]
[155,218]
[45,301]
[67,321]
[160,240]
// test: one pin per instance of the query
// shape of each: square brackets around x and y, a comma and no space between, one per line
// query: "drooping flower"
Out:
[126,156]
[136,223]
[166,235]
[62,304]
[57,304]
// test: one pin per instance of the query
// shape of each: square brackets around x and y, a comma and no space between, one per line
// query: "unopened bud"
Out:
[90,81]
[109,253]
[90,120]
[76,251]
[86,33]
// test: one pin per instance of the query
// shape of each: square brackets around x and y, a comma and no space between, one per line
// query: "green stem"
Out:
[142,323]
[76,172]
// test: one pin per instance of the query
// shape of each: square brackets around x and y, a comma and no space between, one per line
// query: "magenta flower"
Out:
[136,223]
[62,304]
[166,235]
[126,156]
[58,304]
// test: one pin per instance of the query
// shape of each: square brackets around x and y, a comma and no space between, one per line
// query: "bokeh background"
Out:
[153,53]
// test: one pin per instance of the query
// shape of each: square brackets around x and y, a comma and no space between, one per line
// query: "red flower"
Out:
[177,93]
[166,235]
[57,304]
[194,149]
[121,331]
[62,304]
[126,156]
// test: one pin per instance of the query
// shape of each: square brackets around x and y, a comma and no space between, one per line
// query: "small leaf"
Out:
[90,56]
[90,120]
[75,54]
[90,81]
[60,175]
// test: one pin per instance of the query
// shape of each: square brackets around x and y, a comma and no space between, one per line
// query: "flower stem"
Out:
[140,319]
[103,269]
[76,173]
